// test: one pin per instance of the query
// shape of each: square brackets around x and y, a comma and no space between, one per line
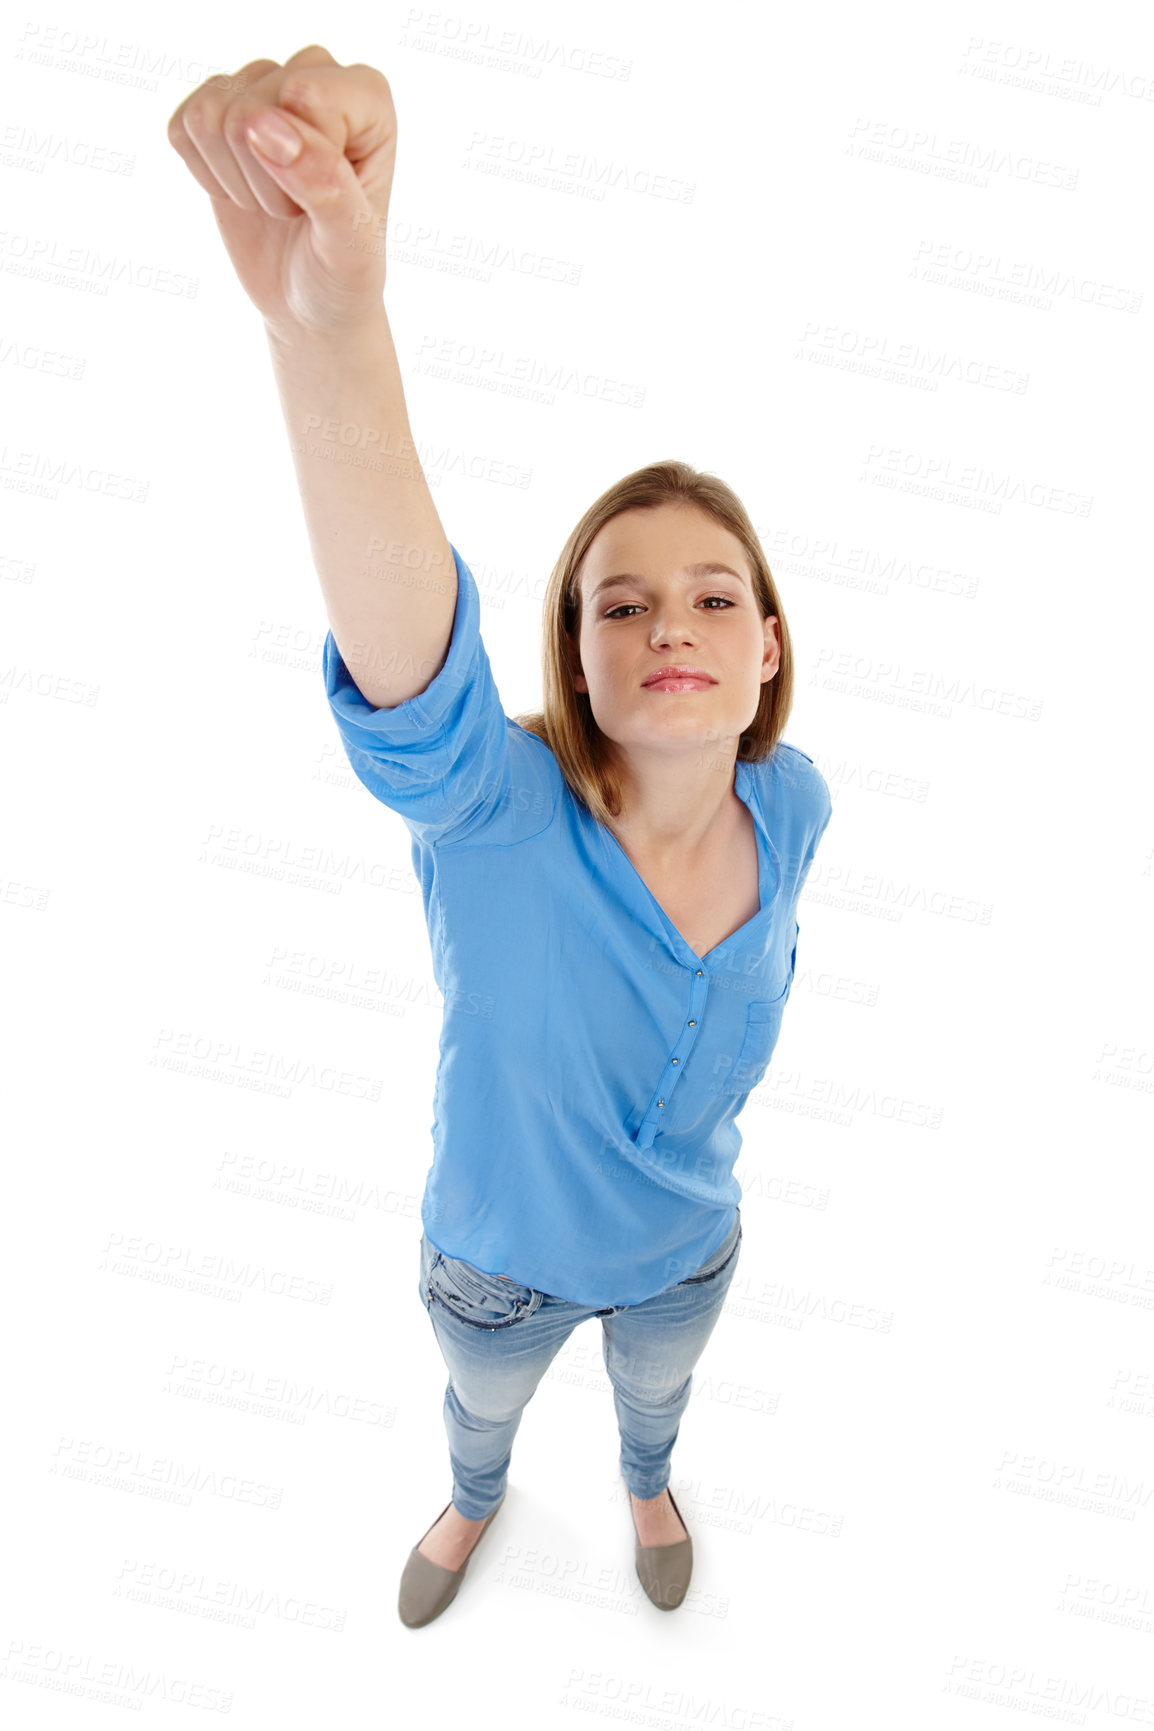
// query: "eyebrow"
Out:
[705,568]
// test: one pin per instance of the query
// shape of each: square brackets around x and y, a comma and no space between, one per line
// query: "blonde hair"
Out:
[566,722]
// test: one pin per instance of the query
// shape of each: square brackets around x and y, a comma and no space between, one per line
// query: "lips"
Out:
[680,673]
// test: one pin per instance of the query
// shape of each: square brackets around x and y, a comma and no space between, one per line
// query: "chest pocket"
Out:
[762,1026]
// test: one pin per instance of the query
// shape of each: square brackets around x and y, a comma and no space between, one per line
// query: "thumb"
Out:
[274,137]
[311,170]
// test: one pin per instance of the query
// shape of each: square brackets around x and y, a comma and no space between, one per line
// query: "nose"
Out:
[674,622]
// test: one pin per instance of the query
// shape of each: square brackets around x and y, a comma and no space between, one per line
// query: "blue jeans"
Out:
[498,1338]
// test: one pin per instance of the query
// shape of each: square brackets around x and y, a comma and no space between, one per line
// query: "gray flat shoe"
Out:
[426,1587]
[664,1570]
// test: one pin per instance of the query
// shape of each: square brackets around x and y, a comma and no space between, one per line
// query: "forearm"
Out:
[382,555]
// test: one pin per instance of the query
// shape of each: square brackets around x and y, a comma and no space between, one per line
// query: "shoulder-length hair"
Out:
[565,721]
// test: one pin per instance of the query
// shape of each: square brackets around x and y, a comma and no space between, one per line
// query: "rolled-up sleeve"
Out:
[441,759]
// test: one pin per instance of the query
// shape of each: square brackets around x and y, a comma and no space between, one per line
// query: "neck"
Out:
[673,810]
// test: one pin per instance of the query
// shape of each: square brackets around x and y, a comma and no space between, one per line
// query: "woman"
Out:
[610,885]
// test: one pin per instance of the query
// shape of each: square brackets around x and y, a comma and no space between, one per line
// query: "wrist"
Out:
[290,337]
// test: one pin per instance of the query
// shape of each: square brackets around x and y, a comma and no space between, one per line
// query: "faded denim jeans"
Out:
[498,1338]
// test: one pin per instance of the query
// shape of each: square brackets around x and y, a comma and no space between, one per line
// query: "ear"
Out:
[771,660]
[573,664]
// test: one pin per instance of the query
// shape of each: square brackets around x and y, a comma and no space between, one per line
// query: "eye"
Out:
[614,611]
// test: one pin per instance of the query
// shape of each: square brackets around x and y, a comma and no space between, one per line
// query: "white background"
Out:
[918,1463]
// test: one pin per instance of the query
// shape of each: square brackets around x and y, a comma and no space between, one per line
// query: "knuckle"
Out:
[371,73]
[197,121]
[228,83]
[233,123]
[314,58]
[299,90]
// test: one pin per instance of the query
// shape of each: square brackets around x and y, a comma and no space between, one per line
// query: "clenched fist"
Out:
[298,161]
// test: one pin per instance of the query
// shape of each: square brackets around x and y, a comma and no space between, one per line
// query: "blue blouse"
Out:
[592,1065]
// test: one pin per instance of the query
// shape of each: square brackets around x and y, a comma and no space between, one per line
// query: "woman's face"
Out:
[664,613]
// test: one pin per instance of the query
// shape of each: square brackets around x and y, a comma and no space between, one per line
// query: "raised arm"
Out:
[383,558]
[307,240]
